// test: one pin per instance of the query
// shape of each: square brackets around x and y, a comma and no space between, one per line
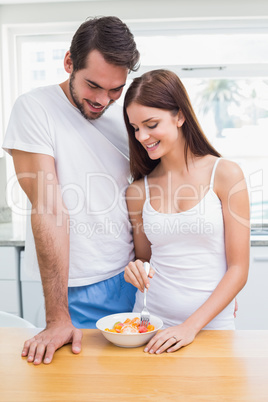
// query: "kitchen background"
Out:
[219,50]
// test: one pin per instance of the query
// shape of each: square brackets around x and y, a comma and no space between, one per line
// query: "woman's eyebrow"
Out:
[150,118]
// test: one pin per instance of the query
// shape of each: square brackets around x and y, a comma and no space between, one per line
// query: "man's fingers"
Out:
[31,351]
[40,351]
[44,345]
[26,347]
[50,350]
[77,341]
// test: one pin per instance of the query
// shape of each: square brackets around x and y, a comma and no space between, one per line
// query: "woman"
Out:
[189,210]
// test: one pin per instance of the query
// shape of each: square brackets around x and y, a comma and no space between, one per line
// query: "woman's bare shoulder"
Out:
[229,170]
[136,187]
[135,194]
[228,174]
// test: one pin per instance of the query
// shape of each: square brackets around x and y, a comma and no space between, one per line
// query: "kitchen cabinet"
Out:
[23,296]
[253,298]
[10,296]
[33,302]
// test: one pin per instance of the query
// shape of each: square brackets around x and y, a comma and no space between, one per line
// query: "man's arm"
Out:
[37,177]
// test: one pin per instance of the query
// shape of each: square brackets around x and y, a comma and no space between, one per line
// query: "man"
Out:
[69,148]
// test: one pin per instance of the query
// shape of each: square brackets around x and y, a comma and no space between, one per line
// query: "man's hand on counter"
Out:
[43,345]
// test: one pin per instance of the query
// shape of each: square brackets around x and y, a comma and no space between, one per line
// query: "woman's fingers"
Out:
[170,339]
[170,345]
[145,280]
[132,275]
[151,272]
[136,275]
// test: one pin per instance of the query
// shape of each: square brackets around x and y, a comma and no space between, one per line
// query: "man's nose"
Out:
[103,98]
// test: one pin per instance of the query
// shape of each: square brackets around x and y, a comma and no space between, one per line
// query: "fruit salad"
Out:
[130,327]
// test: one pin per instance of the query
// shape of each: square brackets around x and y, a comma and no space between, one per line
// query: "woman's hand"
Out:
[136,275]
[171,339]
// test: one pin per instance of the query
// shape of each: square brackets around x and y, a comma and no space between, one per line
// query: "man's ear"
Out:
[181,119]
[68,63]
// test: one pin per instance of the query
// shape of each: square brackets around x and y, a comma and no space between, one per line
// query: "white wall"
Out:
[128,9]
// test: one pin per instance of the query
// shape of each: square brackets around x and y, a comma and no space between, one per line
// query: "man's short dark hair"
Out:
[111,37]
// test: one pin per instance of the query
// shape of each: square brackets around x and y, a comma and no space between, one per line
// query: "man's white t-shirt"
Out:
[91,159]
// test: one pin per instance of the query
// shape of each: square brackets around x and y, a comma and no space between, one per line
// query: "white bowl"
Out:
[127,340]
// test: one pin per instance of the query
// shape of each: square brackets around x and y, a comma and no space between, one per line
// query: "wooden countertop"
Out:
[217,366]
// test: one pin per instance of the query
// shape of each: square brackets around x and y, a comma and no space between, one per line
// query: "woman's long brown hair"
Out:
[163,89]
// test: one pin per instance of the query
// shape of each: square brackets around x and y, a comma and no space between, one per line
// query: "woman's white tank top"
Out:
[188,255]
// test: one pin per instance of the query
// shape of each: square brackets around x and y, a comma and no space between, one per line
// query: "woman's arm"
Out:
[134,271]
[230,187]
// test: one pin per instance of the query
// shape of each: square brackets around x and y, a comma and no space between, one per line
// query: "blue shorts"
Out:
[89,303]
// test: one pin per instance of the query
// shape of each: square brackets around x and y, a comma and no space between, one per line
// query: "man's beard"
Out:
[80,106]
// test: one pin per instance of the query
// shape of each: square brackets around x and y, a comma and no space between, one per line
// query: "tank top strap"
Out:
[147,192]
[211,185]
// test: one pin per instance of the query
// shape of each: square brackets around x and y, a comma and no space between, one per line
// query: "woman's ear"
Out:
[181,119]
[68,63]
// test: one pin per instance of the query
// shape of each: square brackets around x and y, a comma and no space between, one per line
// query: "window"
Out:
[32,60]
[47,69]
[223,65]
[225,71]
[58,54]
[38,75]
[39,56]
[234,115]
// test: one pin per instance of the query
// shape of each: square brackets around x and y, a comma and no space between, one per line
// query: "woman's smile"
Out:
[152,146]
